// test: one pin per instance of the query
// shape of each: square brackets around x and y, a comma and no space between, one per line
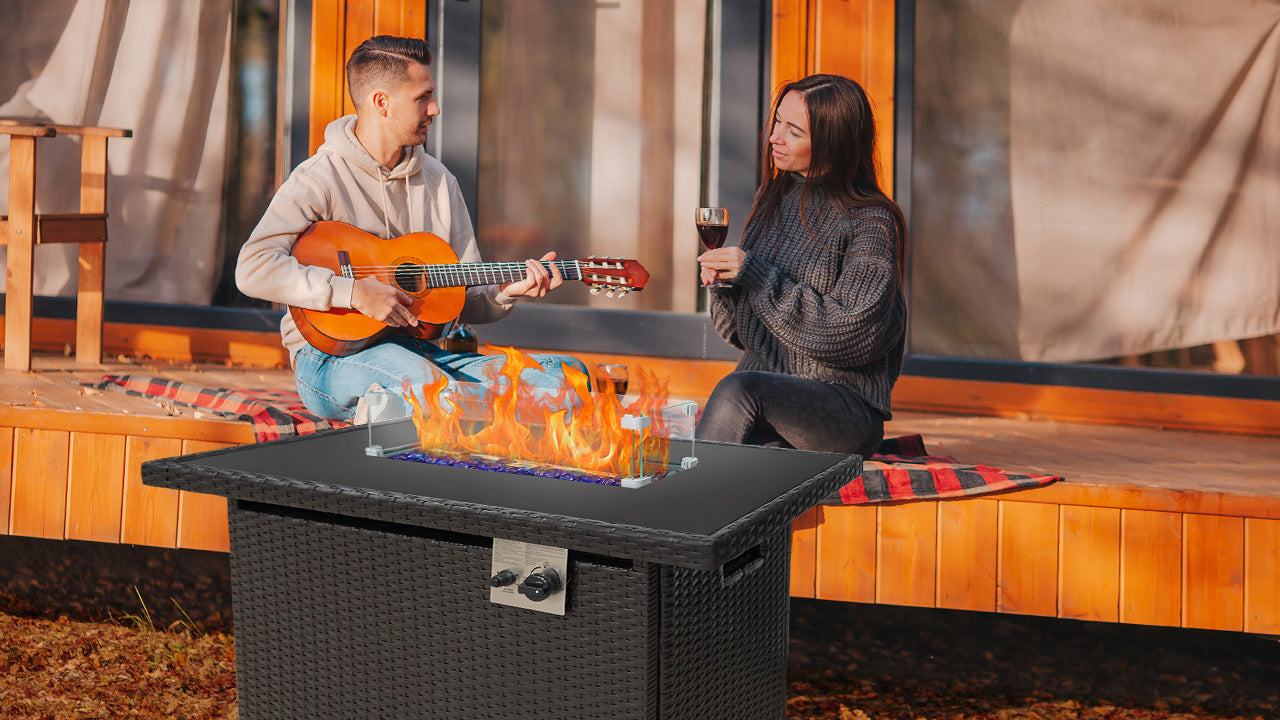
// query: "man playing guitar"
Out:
[373,173]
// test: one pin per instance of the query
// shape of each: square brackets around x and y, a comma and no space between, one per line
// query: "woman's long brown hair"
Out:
[842,161]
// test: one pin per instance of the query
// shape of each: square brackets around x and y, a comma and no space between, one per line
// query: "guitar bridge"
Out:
[344,265]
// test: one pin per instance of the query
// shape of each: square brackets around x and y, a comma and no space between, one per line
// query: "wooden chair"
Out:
[23,229]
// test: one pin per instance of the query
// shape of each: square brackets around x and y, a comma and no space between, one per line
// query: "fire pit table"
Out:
[369,587]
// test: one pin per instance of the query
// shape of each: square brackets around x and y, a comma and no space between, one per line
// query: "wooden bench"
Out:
[23,229]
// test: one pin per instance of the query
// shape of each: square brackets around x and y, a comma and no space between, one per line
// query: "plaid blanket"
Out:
[274,414]
[901,469]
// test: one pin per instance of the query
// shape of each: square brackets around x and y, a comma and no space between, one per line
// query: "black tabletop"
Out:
[700,505]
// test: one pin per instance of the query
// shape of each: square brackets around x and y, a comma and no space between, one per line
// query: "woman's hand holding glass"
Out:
[721,264]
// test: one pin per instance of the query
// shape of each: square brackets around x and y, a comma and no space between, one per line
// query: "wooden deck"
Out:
[1154,527]
[70,455]
[1151,526]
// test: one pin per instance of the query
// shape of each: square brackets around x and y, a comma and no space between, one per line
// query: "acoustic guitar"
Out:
[426,267]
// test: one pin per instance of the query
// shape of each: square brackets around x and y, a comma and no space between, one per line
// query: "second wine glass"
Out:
[713,229]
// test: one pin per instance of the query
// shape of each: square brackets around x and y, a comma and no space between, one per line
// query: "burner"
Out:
[497,464]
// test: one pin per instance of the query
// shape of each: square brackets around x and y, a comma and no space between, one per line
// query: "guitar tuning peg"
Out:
[623,292]
[594,290]
[610,293]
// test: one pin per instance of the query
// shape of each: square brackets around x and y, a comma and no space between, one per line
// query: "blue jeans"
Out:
[330,386]
[761,408]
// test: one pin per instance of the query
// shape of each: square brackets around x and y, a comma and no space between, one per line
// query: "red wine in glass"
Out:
[713,229]
[712,236]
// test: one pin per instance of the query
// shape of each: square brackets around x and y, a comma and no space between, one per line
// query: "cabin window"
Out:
[1094,182]
[591,129]
[170,72]
[254,160]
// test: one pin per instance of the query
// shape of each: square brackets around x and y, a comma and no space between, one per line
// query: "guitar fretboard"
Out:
[491,273]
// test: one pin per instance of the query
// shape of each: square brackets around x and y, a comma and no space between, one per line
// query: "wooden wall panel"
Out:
[358,27]
[396,17]
[150,515]
[1151,568]
[906,555]
[790,45]
[328,58]
[839,34]
[39,506]
[1171,411]
[95,487]
[804,543]
[202,519]
[337,28]
[1262,576]
[6,476]
[1213,572]
[967,554]
[846,559]
[854,38]
[1028,571]
[243,348]
[1089,552]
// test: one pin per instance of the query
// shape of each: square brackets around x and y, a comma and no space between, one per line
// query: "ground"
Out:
[848,662]
[894,662]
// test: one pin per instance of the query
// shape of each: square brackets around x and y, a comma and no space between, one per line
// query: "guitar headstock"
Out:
[613,276]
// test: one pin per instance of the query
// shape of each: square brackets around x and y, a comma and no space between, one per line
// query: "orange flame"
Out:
[571,427]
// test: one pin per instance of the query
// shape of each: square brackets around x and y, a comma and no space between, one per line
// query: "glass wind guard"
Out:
[596,437]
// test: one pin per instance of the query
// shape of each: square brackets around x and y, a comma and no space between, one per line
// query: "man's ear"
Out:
[380,102]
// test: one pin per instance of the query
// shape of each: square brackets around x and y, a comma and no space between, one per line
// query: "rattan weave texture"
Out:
[355,620]
[339,621]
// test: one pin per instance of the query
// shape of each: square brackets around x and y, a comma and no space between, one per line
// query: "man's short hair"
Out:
[382,63]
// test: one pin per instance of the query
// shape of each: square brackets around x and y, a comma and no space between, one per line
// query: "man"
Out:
[372,173]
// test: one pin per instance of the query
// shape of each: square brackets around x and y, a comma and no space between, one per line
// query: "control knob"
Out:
[540,585]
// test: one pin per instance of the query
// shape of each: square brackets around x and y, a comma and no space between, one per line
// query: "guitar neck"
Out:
[491,273]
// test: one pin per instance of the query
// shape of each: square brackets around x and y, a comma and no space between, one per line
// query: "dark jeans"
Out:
[760,408]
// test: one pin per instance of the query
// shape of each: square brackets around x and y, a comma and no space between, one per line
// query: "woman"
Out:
[816,300]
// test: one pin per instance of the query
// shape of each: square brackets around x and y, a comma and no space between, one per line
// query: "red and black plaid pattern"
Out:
[274,414]
[900,469]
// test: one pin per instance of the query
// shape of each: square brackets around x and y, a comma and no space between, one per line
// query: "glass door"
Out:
[596,128]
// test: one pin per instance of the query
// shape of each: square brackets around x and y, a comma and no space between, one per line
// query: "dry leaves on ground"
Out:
[55,669]
[848,662]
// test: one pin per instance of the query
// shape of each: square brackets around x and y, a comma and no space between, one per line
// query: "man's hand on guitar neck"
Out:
[391,305]
[382,302]
[537,281]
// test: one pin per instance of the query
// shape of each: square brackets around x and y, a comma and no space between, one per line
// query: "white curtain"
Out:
[159,68]
[1096,178]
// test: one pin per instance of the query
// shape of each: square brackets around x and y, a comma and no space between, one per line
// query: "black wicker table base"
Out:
[368,620]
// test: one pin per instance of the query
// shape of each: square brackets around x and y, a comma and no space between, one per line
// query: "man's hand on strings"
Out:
[383,302]
[537,280]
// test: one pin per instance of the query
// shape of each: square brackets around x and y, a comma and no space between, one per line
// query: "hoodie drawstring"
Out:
[386,222]
[408,191]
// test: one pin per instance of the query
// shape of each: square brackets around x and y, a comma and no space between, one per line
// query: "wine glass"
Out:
[610,375]
[713,228]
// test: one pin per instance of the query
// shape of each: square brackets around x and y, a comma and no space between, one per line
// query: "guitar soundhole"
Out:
[411,278]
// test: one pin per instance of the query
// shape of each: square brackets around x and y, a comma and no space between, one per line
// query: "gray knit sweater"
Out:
[820,302]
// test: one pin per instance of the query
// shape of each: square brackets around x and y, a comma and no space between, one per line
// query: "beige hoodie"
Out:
[343,182]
